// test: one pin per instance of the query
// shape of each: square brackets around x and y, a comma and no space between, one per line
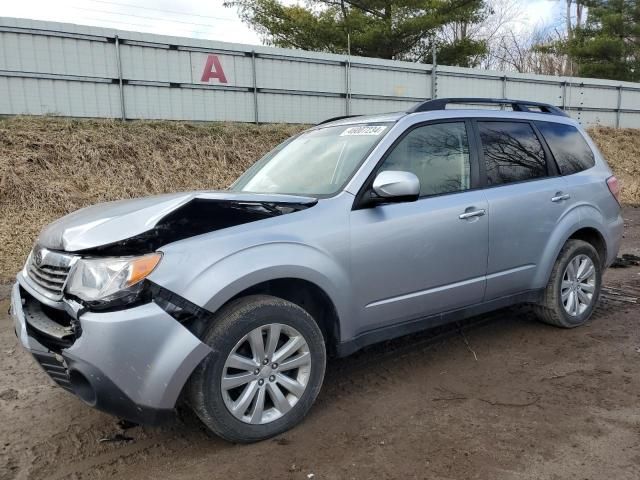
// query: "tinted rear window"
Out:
[571,151]
[512,152]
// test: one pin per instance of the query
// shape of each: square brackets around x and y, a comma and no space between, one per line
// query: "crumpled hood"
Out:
[107,223]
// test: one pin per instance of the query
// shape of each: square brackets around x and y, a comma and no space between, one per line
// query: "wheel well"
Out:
[308,296]
[592,236]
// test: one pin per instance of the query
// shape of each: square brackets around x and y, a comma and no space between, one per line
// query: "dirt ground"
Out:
[503,398]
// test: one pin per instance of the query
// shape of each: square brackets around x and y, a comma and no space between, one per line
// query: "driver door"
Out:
[414,259]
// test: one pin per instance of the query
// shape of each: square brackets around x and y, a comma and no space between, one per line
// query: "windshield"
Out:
[317,162]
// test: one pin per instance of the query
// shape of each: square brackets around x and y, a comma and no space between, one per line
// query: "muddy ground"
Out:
[505,398]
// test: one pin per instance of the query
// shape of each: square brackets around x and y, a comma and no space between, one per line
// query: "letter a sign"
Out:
[213,70]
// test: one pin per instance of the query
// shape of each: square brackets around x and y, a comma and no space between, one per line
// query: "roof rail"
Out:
[516,105]
[333,119]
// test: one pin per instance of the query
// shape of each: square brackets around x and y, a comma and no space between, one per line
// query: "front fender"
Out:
[219,282]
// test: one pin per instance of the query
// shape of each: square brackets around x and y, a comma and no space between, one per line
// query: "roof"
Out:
[357,119]
[438,109]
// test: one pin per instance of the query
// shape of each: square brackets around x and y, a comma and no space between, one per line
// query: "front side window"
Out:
[569,148]
[437,154]
[512,152]
[317,162]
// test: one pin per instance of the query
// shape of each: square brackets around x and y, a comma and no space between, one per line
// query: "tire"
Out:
[555,309]
[239,328]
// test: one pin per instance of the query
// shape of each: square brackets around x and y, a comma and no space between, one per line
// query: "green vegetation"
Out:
[391,29]
[608,46]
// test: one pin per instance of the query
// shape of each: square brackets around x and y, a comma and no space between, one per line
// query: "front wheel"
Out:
[574,286]
[265,371]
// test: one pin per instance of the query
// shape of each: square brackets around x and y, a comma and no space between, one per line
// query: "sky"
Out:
[190,18]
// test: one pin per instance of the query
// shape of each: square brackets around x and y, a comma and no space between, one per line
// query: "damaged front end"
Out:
[196,217]
[128,353]
[143,225]
[99,257]
[131,363]
[84,307]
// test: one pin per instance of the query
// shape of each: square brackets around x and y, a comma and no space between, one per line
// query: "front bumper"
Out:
[130,363]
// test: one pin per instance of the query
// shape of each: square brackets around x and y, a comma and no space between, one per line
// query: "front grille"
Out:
[54,368]
[49,271]
[52,279]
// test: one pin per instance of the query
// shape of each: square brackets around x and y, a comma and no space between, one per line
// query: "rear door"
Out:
[575,161]
[526,198]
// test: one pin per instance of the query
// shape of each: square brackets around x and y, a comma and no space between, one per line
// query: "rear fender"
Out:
[582,216]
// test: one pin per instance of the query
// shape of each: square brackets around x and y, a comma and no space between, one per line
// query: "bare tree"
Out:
[535,49]
[527,52]
[569,16]
[503,14]
[513,45]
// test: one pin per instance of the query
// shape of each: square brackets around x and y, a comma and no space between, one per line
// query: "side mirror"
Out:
[395,186]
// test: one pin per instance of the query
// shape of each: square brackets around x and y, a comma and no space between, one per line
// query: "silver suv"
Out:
[357,230]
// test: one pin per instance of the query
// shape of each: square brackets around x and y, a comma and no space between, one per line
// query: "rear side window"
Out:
[512,152]
[571,151]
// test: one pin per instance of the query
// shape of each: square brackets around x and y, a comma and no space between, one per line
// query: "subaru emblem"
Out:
[37,257]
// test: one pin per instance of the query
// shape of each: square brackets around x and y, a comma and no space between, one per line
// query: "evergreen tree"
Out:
[608,45]
[392,29]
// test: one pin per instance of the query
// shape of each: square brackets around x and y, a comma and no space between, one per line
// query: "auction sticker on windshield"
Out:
[364,130]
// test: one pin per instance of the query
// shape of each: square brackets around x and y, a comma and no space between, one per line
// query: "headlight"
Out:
[103,280]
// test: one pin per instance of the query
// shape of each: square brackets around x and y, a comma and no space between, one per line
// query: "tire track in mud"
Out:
[355,374]
[612,299]
[78,452]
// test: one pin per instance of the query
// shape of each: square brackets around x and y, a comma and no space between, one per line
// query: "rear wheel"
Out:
[265,371]
[574,286]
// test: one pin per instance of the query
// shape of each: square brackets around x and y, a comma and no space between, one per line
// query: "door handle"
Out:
[560,197]
[475,213]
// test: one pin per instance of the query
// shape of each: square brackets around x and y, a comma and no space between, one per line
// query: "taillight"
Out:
[614,187]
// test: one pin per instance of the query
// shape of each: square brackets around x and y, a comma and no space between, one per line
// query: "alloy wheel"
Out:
[578,285]
[266,373]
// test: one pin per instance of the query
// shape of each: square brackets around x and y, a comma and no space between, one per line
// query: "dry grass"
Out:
[51,166]
[621,148]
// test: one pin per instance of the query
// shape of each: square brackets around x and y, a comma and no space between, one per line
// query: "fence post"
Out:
[255,87]
[120,83]
[347,87]
[619,106]
[564,95]
[504,87]
[434,74]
